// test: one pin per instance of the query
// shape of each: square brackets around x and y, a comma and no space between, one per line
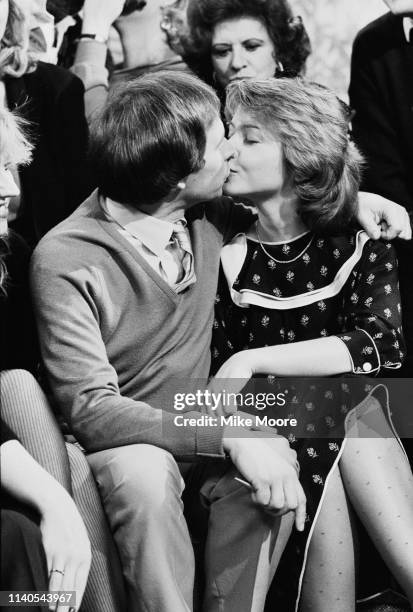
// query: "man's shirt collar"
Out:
[153,232]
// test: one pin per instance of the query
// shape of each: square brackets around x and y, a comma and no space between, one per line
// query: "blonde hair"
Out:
[15,150]
[15,58]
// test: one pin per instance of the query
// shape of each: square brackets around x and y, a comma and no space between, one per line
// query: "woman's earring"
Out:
[166,24]
[279,67]
[181,185]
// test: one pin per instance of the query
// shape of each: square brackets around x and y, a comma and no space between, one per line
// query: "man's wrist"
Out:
[100,32]
[233,434]
[93,38]
[230,441]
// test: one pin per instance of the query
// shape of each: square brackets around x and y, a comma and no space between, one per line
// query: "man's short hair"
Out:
[150,135]
[311,123]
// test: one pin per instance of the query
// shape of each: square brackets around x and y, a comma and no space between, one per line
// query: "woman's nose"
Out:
[238,58]
[8,186]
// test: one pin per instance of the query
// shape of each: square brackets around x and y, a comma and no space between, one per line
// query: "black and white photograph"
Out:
[206,305]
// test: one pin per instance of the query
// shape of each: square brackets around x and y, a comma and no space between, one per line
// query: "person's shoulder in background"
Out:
[379,35]
[54,78]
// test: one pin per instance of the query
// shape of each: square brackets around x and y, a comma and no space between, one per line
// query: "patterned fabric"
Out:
[25,409]
[318,295]
[166,246]
[365,314]
[105,591]
[182,245]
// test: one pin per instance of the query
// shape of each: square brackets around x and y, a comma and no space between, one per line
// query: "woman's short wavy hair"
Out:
[322,165]
[150,135]
[15,58]
[288,34]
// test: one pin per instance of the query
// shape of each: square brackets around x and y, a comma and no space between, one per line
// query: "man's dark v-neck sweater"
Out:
[115,336]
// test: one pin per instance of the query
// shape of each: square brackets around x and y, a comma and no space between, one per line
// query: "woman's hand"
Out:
[67,550]
[382,218]
[64,535]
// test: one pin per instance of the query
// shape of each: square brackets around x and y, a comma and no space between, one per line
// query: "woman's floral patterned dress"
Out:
[343,286]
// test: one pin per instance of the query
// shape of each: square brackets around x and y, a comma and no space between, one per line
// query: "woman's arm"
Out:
[64,535]
[90,59]
[319,357]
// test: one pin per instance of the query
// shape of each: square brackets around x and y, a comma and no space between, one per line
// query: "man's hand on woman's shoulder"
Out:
[382,218]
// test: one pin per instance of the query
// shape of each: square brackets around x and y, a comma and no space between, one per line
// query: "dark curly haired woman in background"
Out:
[237,39]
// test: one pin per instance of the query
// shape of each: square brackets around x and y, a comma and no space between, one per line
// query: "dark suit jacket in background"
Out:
[57,180]
[381,94]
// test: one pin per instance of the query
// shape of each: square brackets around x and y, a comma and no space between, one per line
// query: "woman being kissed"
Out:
[302,294]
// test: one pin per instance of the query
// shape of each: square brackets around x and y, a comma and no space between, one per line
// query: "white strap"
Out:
[233,257]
